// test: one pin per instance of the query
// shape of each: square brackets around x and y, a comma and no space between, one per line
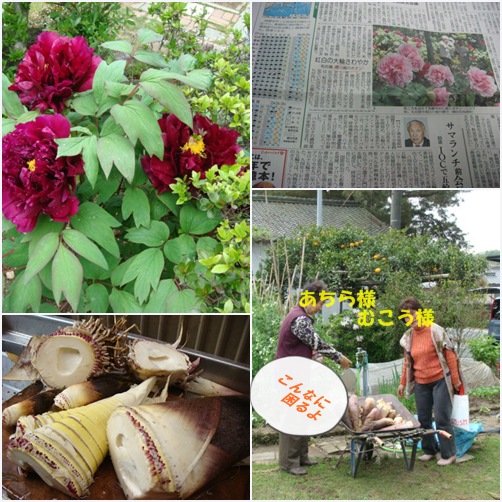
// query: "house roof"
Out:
[281,216]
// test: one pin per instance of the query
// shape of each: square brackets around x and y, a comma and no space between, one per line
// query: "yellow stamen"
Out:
[196,146]
[31,165]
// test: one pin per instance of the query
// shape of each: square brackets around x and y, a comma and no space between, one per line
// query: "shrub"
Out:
[266,325]
[485,349]
[15,35]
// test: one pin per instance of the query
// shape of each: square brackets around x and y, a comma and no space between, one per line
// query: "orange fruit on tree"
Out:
[376,257]
[378,270]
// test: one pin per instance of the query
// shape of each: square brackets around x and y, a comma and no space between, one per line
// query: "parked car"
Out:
[494,323]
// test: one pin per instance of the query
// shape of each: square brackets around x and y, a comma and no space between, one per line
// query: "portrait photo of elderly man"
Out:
[416,132]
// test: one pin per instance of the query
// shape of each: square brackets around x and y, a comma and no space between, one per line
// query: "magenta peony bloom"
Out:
[442,96]
[481,83]
[395,70]
[33,181]
[411,52]
[438,74]
[188,150]
[52,70]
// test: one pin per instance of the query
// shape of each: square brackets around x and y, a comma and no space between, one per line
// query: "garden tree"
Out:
[422,211]
[391,265]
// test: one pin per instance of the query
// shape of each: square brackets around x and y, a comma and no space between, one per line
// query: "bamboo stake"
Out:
[301,270]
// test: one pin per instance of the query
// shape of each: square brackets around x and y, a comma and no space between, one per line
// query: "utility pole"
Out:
[395,209]
[319,208]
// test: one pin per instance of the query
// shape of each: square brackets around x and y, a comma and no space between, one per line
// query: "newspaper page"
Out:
[375,95]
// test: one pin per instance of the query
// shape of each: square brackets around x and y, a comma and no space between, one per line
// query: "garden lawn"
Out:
[388,479]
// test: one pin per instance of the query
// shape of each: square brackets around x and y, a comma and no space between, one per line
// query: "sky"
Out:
[478,216]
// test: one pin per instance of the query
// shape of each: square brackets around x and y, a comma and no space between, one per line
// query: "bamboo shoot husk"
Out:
[170,450]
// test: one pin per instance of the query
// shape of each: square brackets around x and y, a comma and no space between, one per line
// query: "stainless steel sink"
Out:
[18,329]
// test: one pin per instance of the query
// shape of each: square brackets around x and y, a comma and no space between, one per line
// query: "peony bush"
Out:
[116,196]
[409,70]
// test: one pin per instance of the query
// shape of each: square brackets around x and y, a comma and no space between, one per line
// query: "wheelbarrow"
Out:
[404,440]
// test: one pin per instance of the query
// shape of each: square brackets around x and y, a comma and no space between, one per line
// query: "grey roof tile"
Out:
[281,216]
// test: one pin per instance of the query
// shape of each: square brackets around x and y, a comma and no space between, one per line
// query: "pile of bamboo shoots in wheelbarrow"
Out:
[106,393]
[374,415]
[384,416]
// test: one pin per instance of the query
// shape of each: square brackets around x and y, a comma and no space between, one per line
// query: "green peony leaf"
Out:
[136,202]
[169,299]
[180,247]
[194,221]
[11,105]
[28,116]
[111,127]
[115,149]
[171,97]
[94,222]
[118,89]
[199,79]
[24,295]
[118,45]
[150,58]
[8,125]
[138,121]
[84,247]
[146,36]
[68,147]
[85,104]
[15,253]
[90,157]
[42,254]
[207,246]
[67,276]
[87,145]
[155,235]
[169,199]
[97,298]
[184,301]
[146,268]
[113,72]
[122,301]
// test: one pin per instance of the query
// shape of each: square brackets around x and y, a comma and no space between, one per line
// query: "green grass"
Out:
[387,479]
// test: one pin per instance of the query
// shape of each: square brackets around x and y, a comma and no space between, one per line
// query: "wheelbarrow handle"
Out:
[438,431]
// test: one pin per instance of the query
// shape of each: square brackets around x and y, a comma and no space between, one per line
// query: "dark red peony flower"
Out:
[33,181]
[53,69]
[187,150]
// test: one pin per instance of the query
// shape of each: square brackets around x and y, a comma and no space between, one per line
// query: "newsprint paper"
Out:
[349,94]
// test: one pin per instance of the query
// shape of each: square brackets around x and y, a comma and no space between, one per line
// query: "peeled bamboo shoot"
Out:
[67,447]
[151,358]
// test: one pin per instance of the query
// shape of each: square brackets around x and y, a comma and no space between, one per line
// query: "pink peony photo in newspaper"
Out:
[422,68]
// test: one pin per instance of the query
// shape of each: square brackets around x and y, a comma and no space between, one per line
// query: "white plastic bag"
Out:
[460,412]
